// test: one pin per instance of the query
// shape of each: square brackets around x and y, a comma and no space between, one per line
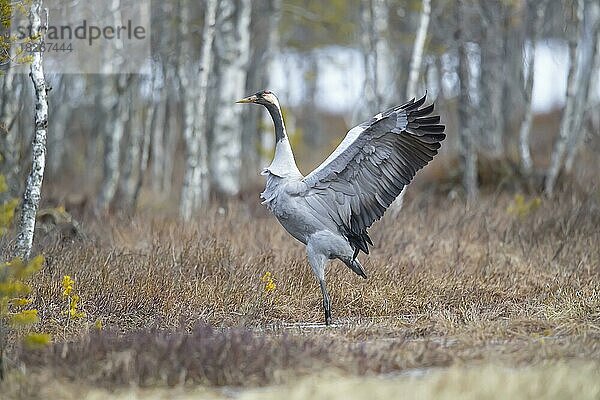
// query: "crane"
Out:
[330,209]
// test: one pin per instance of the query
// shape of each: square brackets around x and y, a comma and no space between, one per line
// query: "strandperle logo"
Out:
[85,31]
[88,37]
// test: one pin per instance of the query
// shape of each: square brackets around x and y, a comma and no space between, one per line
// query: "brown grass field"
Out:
[461,302]
[495,299]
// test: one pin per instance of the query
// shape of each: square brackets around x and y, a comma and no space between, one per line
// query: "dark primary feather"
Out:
[359,184]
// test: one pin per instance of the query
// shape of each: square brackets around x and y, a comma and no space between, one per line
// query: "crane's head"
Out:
[264,97]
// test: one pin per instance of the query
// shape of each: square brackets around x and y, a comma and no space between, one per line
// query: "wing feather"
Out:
[372,165]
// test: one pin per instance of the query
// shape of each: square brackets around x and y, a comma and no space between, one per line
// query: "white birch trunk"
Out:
[586,61]
[382,53]
[376,53]
[413,76]
[130,170]
[33,189]
[194,193]
[417,54]
[467,148]
[492,76]
[232,51]
[9,153]
[60,120]
[116,116]
[157,130]
[266,16]
[146,142]
[171,134]
[267,140]
[566,122]
[311,126]
[525,130]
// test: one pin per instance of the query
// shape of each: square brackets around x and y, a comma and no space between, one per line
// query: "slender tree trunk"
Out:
[60,120]
[195,189]
[266,16]
[374,26]
[133,147]
[146,142]
[310,124]
[33,189]
[9,149]
[492,76]
[417,54]
[232,51]
[117,111]
[380,12]
[586,60]
[158,126]
[413,76]
[566,122]
[513,101]
[537,25]
[468,154]
[157,130]
[172,133]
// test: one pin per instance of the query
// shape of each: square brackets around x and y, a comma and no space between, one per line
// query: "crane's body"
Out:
[330,209]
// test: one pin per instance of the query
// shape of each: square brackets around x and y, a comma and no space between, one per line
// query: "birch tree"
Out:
[417,54]
[11,92]
[133,147]
[156,124]
[33,188]
[114,119]
[537,10]
[9,157]
[586,59]
[376,53]
[61,113]
[566,123]
[265,41]
[492,76]
[117,113]
[159,99]
[195,189]
[467,149]
[231,57]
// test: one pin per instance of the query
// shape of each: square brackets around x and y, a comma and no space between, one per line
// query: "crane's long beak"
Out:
[249,99]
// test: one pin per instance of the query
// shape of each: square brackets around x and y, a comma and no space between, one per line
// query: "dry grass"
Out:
[438,269]
[448,285]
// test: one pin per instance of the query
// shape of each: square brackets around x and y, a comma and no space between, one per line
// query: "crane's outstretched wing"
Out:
[371,166]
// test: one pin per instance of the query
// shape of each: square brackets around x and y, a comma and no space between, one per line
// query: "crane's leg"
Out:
[326,302]
[318,261]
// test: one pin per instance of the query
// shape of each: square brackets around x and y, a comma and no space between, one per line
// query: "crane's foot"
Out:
[326,302]
[327,317]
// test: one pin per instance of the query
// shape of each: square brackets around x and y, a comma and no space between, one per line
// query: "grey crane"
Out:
[330,209]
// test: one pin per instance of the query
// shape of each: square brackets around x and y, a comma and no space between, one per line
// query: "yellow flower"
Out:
[98,324]
[67,284]
[269,282]
[270,286]
[73,311]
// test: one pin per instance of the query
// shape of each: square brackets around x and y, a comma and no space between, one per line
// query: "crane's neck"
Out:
[283,164]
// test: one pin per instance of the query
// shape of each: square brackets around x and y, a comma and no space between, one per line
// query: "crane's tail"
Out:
[355,266]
